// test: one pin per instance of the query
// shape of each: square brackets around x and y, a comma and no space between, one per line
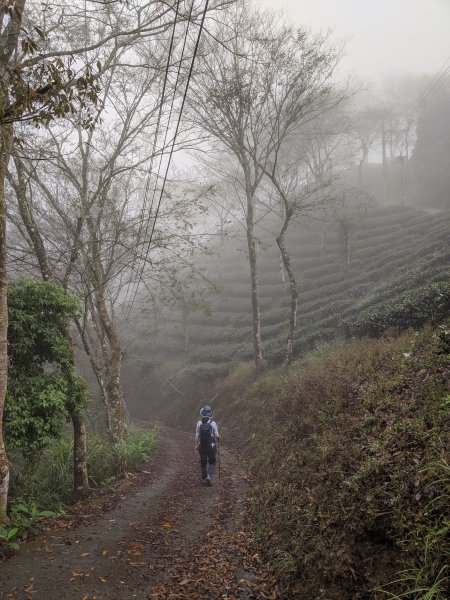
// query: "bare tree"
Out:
[367,123]
[253,99]
[299,197]
[95,244]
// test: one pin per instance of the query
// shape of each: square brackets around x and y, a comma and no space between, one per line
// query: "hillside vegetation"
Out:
[397,275]
[350,453]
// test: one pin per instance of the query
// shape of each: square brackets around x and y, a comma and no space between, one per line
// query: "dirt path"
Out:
[167,538]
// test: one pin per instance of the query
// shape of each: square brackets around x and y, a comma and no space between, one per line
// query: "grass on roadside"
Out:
[46,480]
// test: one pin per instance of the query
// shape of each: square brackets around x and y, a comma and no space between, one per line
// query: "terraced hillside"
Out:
[391,252]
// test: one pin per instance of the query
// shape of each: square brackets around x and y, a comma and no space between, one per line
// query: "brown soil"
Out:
[162,535]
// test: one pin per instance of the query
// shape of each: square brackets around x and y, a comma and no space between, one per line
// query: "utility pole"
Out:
[383,150]
[402,160]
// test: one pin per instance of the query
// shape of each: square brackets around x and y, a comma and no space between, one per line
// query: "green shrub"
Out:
[39,398]
[136,448]
[427,304]
[429,578]
[8,539]
[46,480]
[106,462]
[25,518]
[239,377]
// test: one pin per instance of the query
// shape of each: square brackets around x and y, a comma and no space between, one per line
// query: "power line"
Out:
[431,88]
[434,88]
[169,118]
[178,124]
[147,220]
[170,155]
[158,121]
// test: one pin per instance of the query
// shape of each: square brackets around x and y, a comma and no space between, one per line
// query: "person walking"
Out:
[206,442]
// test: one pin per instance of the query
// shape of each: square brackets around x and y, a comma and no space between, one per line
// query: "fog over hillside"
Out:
[381,233]
[356,275]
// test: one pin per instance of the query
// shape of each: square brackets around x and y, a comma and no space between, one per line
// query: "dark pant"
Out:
[207,457]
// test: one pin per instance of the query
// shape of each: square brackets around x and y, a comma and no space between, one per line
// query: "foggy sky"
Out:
[408,37]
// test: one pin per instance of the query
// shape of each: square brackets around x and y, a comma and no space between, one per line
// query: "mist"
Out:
[383,39]
[224,299]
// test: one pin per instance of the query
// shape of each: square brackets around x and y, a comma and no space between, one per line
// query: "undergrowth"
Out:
[46,479]
[350,457]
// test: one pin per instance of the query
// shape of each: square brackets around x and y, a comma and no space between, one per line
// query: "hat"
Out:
[206,411]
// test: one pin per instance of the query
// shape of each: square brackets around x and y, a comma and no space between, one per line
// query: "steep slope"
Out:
[343,288]
[349,453]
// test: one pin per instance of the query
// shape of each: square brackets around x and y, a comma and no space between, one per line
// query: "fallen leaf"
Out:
[76,574]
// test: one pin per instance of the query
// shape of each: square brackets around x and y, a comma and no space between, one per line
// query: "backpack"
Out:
[205,432]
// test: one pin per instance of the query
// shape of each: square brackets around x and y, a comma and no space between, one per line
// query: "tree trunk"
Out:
[6,137]
[106,404]
[360,168]
[114,387]
[80,474]
[385,166]
[28,219]
[185,314]
[99,376]
[256,311]
[282,271]
[293,290]
[8,45]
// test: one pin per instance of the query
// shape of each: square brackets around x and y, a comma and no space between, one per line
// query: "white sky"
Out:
[408,37]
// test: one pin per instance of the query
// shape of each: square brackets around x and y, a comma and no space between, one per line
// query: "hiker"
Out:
[206,441]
